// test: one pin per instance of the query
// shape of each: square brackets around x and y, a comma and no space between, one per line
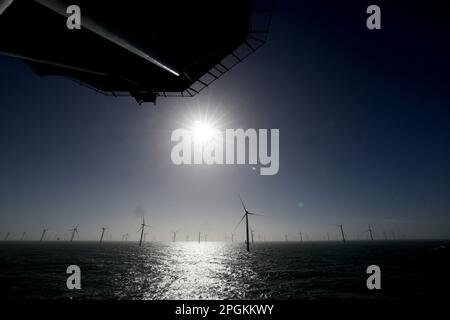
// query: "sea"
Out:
[311,271]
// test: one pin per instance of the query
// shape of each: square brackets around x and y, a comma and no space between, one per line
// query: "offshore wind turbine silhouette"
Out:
[342,231]
[74,230]
[370,232]
[103,232]
[199,237]
[174,237]
[6,237]
[23,235]
[252,236]
[141,229]
[301,236]
[245,216]
[43,234]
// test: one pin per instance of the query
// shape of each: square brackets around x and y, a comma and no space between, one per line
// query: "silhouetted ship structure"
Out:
[143,49]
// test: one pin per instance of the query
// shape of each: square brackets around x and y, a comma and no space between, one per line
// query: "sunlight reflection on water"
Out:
[218,270]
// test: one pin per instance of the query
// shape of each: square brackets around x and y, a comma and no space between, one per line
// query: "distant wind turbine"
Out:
[342,231]
[286,237]
[232,237]
[174,237]
[141,229]
[370,232]
[103,232]
[43,234]
[199,237]
[74,230]
[23,235]
[7,236]
[252,236]
[385,235]
[301,236]
[245,216]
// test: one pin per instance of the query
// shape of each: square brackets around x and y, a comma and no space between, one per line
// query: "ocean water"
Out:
[219,270]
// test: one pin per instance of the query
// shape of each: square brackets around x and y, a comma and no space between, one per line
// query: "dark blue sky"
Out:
[364,119]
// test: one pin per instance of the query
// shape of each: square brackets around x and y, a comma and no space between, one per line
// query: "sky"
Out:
[364,120]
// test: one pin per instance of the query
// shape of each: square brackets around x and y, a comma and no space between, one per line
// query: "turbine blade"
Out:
[256,214]
[240,221]
[243,205]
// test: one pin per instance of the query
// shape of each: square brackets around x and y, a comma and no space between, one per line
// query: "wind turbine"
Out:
[23,235]
[286,237]
[342,231]
[245,216]
[370,232]
[199,237]
[7,236]
[74,230]
[141,229]
[174,237]
[301,236]
[252,236]
[385,235]
[43,234]
[103,232]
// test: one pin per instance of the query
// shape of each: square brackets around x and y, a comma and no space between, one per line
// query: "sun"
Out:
[204,131]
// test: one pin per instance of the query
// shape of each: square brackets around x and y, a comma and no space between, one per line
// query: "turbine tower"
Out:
[23,235]
[232,237]
[245,216]
[199,237]
[103,232]
[7,236]
[43,234]
[252,236]
[301,236]
[370,232]
[74,230]
[141,229]
[174,237]
[342,231]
